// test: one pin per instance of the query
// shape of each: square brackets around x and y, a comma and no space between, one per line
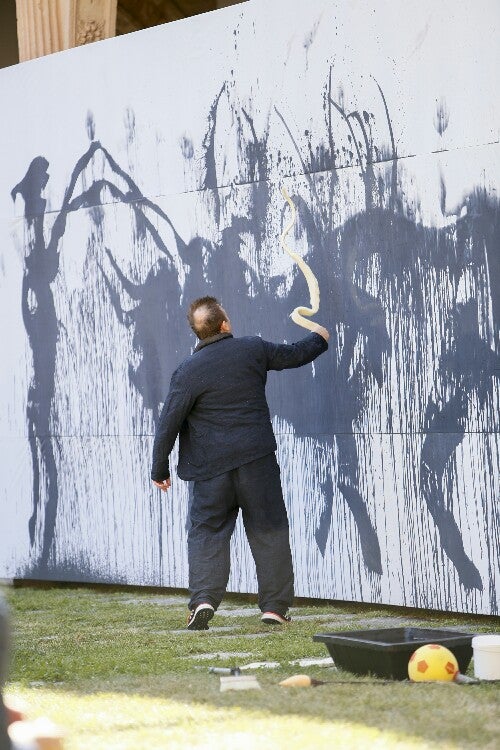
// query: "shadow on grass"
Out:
[438,715]
[109,643]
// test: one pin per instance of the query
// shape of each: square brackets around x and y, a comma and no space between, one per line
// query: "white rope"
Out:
[312,282]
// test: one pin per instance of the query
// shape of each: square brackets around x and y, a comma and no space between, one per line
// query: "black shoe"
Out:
[273,618]
[199,617]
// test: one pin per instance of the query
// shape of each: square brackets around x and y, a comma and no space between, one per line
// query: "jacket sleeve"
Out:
[177,406]
[286,356]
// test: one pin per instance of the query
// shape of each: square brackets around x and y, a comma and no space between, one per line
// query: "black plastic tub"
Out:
[385,653]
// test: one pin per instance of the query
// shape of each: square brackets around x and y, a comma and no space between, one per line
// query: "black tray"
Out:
[385,653]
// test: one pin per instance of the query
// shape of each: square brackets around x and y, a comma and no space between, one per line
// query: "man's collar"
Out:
[212,340]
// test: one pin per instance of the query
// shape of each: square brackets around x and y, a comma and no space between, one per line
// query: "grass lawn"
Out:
[118,670]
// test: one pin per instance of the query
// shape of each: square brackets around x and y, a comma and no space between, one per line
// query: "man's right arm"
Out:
[322,331]
[286,356]
[177,406]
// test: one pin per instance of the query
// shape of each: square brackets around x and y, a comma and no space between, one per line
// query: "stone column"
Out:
[47,26]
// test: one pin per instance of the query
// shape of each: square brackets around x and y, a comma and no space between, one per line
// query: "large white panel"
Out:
[339,538]
[151,95]
[144,171]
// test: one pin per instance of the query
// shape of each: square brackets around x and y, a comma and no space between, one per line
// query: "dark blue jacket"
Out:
[217,404]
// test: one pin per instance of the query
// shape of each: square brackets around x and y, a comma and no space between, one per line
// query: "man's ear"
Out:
[225,327]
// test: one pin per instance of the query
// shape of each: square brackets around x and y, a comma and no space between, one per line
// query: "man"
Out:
[217,405]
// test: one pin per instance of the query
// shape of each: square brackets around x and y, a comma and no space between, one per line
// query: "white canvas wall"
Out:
[178,139]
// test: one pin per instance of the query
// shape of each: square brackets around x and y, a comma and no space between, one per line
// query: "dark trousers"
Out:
[256,489]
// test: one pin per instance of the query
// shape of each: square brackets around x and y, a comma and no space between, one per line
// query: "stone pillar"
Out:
[45,26]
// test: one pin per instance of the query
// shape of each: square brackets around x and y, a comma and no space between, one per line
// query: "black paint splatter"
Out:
[373,326]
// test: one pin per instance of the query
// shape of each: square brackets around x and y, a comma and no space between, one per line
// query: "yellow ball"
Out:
[432,663]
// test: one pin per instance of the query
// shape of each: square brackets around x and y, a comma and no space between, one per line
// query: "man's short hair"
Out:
[213,317]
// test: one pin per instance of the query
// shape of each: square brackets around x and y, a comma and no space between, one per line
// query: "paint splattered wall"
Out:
[144,171]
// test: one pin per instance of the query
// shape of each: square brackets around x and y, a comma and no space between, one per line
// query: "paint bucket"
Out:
[486,657]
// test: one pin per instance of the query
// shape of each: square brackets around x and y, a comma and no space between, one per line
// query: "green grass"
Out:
[110,667]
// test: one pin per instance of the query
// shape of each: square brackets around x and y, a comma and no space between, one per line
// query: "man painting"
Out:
[217,405]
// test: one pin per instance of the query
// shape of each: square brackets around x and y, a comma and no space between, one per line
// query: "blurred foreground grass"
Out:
[118,670]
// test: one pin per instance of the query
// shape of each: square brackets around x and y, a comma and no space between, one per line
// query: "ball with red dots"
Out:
[432,663]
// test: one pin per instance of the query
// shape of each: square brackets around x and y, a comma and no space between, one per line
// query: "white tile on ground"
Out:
[238,612]
[222,655]
[247,635]
[326,662]
[320,617]
[261,665]
[163,601]
[329,627]
[222,629]
[380,622]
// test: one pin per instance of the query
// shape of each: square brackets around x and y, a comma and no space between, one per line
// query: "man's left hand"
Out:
[163,486]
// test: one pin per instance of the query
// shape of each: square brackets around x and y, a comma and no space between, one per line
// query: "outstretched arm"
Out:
[286,356]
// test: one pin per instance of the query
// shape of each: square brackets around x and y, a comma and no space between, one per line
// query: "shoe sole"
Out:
[272,619]
[201,619]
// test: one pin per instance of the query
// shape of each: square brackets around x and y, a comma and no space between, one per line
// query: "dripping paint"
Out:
[389,445]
